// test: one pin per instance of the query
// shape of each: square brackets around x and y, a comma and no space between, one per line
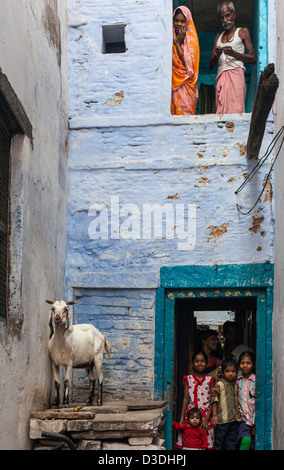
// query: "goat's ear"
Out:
[50,302]
[73,302]
[51,326]
[69,325]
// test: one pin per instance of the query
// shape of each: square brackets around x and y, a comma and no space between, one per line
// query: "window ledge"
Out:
[155,120]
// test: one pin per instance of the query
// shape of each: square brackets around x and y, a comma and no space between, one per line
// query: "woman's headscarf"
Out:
[188,74]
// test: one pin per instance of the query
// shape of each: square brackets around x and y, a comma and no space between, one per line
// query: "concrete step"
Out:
[110,426]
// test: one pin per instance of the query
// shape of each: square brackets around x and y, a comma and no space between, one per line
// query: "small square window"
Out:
[113,39]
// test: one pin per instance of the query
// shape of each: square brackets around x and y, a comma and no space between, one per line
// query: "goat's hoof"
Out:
[99,403]
[89,403]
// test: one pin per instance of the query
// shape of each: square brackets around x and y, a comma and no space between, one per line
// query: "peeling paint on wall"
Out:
[230,126]
[204,181]
[257,221]
[174,196]
[117,98]
[242,146]
[268,192]
[217,232]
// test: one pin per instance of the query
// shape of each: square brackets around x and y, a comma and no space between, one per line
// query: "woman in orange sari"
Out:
[185,63]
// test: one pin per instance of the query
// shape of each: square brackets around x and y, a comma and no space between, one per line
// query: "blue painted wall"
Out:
[127,318]
[125,148]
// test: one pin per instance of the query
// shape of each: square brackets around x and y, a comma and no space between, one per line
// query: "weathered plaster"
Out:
[278,326]
[38,211]
[51,23]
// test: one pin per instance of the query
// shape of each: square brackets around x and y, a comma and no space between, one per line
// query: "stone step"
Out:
[115,425]
[49,425]
[60,414]
[124,446]
[120,406]
[131,420]
[108,435]
[99,419]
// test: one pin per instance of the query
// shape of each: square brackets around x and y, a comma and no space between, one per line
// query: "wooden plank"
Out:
[267,87]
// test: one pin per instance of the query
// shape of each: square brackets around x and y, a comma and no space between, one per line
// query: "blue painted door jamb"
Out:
[230,281]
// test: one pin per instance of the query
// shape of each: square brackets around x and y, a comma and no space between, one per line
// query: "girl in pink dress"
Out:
[197,387]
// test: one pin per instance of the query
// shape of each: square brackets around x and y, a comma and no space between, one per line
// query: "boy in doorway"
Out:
[225,409]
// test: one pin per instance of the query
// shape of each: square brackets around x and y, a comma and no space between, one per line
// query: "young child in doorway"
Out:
[246,397]
[197,394]
[225,408]
[193,437]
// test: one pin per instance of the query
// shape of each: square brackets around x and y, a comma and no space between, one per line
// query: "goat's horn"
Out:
[50,301]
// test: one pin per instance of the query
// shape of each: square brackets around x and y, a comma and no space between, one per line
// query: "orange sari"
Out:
[184,78]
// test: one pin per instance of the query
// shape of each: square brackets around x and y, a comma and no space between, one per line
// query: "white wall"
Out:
[31,39]
[278,325]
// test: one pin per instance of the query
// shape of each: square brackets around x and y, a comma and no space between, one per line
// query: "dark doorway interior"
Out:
[192,315]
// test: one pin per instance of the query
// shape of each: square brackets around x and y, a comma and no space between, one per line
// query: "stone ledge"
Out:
[39,425]
[108,435]
[124,446]
[140,441]
[59,414]
[97,122]
[113,426]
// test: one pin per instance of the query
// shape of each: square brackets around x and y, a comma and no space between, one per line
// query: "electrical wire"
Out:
[259,165]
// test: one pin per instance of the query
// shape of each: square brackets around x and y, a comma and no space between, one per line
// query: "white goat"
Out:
[75,346]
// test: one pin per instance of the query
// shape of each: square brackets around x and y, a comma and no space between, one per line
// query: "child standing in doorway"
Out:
[246,397]
[193,437]
[197,394]
[225,408]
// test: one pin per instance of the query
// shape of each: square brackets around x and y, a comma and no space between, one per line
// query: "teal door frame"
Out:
[229,281]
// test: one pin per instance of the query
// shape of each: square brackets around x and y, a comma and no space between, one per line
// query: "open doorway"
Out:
[234,288]
[251,14]
[194,316]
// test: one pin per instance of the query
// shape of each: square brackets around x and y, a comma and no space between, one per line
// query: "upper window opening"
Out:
[208,25]
[114,39]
